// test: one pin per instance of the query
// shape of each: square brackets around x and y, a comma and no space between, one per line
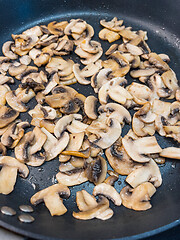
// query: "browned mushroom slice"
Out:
[111,49]
[138,198]
[118,63]
[72,177]
[7,115]
[140,148]
[102,206]
[110,36]
[109,192]
[142,72]
[5,79]
[16,69]
[3,90]
[75,26]
[57,28]
[52,197]
[158,62]
[80,154]
[171,152]
[119,160]
[114,25]
[8,173]
[127,34]
[96,170]
[3,150]
[107,130]
[13,134]
[170,80]
[54,146]
[6,49]
[141,44]
[114,110]
[149,172]
[90,107]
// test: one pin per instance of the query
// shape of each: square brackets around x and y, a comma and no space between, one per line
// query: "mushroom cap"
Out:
[14,163]
[138,198]
[7,115]
[171,152]
[139,149]
[108,191]
[148,172]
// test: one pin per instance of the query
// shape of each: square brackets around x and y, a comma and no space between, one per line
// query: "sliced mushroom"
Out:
[90,107]
[110,36]
[57,28]
[149,172]
[106,130]
[119,160]
[6,49]
[140,149]
[158,62]
[142,72]
[3,90]
[16,69]
[85,201]
[111,49]
[138,198]
[8,173]
[54,146]
[3,150]
[5,79]
[114,25]
[108,191]
[114,110]
[96,170]
[171,152]
[7,115]
[52,197]
[77,126]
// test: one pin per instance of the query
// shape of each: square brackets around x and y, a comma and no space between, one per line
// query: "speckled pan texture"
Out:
[161,20]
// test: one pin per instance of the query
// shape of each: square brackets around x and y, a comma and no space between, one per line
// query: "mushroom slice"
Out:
[111,49]
[119,94]
[75,26]
[110,36]
[54,146]
[13,134]
[142,72]
[114,25]
[85,201]
[119,160]
[149,172]
[57,28]
[3,150]
[114,110]
[158,62]
[106,130]
[52,197]
[134,50]
[6,49]
[178,94]
[96,170]
[7,115]
[8,173]
[77,126]
[3,90]
[73,177]
[101,208]
[140,149]
[89,46]
[87,71]
[170,152]
[90,107]
[64,46]
[16,69]
[138,198]
[118,63]
[109,192]
[100,78]
[128,34]
[170,80]
[63,122]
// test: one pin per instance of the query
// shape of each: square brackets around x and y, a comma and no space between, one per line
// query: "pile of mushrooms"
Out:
[77,130]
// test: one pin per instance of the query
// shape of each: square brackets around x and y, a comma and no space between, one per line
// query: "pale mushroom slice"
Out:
[114,25]
[72,177]
[109,192]
[149,172]
[142,72]
[119,159]
[118,63]
[111,49]
[178,94]
[8,173]
[5,79]
[128,34]
[117,111]
[88,71]
[75,26]
[119,94]
[107,131]
[77,127]
[170,81]
[75,143]
[90,107]
[54,146]
[52,197]
[13,134]
[7,51]
[63,122]
[101,208]
[7,115]
[138,198]
[110,36]
[158,62]
[3,90]
[170,152]
[96,170]
[140,149]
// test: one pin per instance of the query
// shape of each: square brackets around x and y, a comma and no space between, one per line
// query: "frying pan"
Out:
[161,20]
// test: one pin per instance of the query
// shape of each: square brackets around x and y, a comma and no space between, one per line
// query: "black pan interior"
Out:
[160,19]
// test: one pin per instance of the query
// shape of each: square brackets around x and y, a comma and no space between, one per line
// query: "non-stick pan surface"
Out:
[161,20]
